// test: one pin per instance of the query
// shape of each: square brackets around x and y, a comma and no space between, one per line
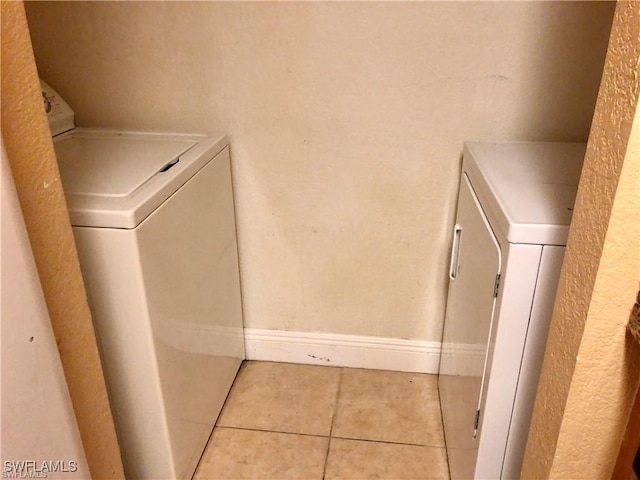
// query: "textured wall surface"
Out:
[346,120]
[33,165]
[40,423]
[590,371]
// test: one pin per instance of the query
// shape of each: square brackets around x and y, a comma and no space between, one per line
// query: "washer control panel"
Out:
[59,114]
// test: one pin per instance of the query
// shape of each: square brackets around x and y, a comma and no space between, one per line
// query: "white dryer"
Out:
[514,210]
[154,224]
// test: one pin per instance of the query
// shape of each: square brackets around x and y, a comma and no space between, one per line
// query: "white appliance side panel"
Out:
[112,274]
[520,270]
[37,420]
[476,261]
[190,267]
[536,342]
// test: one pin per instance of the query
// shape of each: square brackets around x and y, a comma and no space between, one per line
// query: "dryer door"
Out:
[475,269]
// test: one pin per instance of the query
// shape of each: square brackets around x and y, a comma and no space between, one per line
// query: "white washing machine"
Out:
[514,210]
[153,219]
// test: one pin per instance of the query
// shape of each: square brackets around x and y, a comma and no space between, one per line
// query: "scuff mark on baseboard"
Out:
[323,359]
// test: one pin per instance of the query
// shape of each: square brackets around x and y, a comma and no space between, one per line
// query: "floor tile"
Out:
[388,406]
[282,397]
[355,459]
[250,454]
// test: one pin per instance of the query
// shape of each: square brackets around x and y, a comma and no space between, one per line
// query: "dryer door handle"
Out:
[455,252]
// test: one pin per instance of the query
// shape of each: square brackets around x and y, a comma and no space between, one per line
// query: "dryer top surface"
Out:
[527,189]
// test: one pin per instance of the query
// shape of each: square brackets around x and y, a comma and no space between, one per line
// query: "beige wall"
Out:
[590,373]
[346,120]
[33,165]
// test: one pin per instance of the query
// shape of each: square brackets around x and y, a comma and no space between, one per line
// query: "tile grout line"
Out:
[335,406]
[355,439]
[333,419]
[444,433]
[391,443]
[271,431]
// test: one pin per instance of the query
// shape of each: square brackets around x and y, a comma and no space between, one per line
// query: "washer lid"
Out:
[114,166]
[116,179]
[527,189]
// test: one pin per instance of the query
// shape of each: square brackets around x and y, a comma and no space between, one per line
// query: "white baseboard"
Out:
[355,351]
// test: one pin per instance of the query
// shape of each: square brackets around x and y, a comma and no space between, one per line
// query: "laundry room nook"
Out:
[323,240]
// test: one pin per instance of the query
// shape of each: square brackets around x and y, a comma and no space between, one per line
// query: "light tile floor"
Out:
[286,421]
